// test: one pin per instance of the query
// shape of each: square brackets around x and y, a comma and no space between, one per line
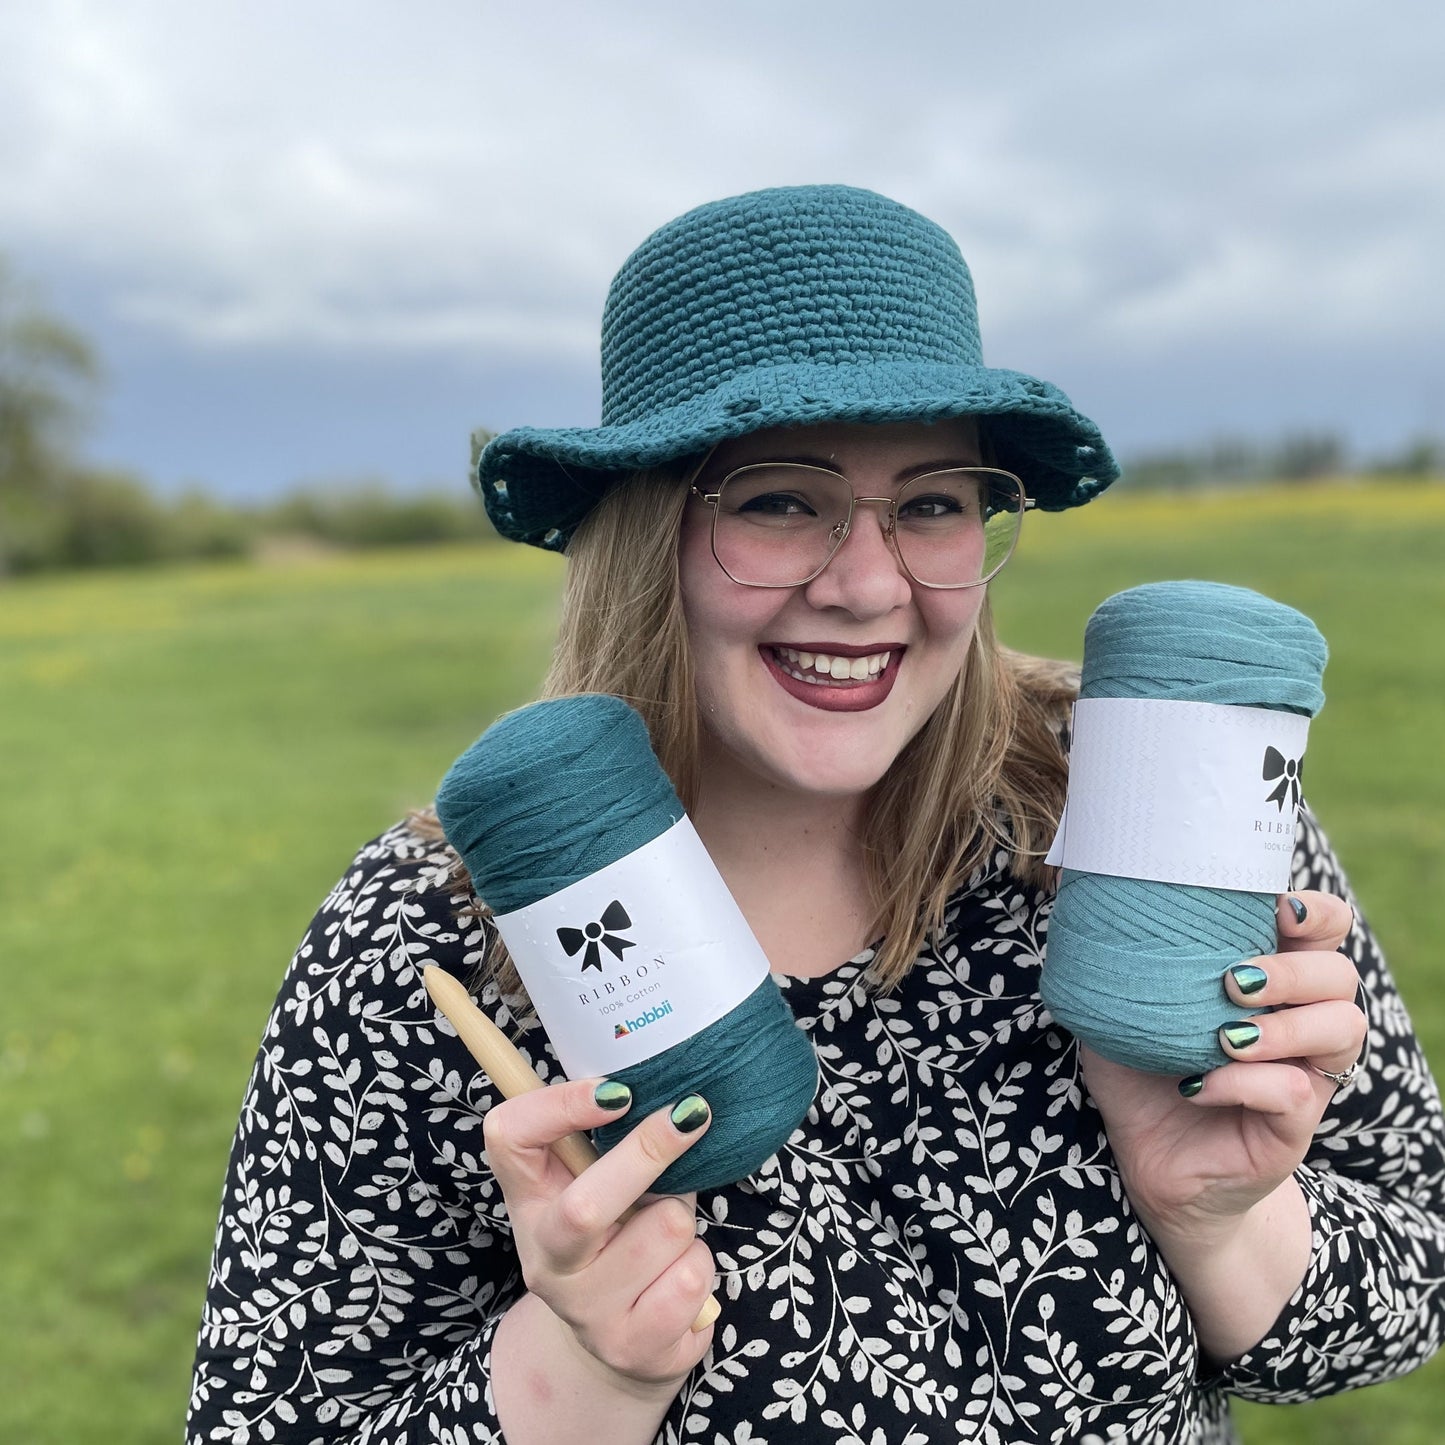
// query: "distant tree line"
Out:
[57,512]
[1297,457]
[98,518]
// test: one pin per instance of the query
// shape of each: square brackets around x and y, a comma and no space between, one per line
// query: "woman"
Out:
[982,1230]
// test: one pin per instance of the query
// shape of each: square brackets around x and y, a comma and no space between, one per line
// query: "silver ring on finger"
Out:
[1341,1080]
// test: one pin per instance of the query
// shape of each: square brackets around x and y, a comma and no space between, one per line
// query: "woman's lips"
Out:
[829,693]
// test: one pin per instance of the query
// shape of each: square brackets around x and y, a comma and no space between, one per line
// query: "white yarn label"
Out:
[635,958]
[1183,792]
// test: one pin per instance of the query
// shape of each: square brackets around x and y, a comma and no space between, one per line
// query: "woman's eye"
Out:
[932,505]
[778,504]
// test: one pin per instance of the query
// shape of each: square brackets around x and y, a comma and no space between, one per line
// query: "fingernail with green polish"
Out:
[1300,911]
[1240,1035]
[1191,1086]
[1248,977]
[612,1096]
[690,1114]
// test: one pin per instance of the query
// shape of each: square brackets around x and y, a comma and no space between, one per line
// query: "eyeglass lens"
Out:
[777,524]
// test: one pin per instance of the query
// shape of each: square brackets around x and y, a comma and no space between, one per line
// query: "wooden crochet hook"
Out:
[512,1075]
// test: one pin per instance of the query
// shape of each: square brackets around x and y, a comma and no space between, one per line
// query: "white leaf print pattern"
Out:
[942,1252]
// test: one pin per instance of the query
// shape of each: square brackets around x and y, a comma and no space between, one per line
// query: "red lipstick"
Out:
[842,695]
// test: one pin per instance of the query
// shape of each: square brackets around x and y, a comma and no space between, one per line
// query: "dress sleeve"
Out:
[363,1256]
[1371,1306]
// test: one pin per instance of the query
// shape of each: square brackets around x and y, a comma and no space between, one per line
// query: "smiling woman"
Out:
[779,546]
[859,604]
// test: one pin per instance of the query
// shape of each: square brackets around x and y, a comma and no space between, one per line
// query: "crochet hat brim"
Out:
[537,484]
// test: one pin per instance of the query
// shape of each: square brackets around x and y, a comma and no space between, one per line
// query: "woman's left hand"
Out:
[1208,1167]
[1195,1156]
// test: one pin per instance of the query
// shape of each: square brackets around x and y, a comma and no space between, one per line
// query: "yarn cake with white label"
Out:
[1133,967]
[559,790]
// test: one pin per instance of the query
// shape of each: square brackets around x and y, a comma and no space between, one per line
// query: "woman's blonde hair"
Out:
[986,771]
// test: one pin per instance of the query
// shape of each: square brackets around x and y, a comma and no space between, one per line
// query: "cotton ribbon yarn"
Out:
[557,791]
[1135,968]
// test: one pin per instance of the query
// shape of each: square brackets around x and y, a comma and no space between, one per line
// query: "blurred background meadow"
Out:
[264,270]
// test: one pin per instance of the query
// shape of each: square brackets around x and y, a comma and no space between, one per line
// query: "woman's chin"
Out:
[824,776]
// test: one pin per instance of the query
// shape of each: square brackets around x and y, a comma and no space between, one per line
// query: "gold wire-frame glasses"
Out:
[771,520]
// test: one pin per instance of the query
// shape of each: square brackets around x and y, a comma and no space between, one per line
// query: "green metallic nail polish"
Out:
[1190,1087]
[612,1096]
[1248,977]
[1240,1035]
[1300,911]
[690,1114]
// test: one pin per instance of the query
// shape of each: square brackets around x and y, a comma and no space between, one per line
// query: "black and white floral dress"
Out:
[942,1252]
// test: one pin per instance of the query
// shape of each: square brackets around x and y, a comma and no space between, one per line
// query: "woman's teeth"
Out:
[820,667]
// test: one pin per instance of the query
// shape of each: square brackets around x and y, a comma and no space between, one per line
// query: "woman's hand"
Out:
[1208,1163]
[602,1340]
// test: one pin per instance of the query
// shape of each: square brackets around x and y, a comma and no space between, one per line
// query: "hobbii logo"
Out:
[604,932]
[648,1016]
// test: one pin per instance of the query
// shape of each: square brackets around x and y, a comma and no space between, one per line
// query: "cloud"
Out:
[272,173]
[1132,187]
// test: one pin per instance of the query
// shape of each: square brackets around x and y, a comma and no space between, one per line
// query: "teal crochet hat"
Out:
[786,307]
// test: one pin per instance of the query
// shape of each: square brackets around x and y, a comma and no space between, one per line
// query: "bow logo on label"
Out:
[603,932]
[1290,774]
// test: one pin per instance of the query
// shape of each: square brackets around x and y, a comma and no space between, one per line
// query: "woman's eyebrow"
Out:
[830,464]
[922,469]
[794,459]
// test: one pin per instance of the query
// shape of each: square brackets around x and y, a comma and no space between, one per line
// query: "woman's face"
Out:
[769,710]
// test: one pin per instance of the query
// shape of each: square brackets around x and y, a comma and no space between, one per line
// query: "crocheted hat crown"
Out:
[786,307]
[821,274]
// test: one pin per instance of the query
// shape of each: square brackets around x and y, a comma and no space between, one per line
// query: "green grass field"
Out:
[188,759]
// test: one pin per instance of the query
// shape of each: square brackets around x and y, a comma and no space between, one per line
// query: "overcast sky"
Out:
[315,239]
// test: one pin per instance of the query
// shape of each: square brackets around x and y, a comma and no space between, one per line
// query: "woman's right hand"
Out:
[621,1296]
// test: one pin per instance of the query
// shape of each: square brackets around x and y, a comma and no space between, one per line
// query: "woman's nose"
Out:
[864,575]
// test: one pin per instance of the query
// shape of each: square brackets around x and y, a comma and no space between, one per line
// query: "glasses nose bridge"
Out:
[843,528]
[890,516]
